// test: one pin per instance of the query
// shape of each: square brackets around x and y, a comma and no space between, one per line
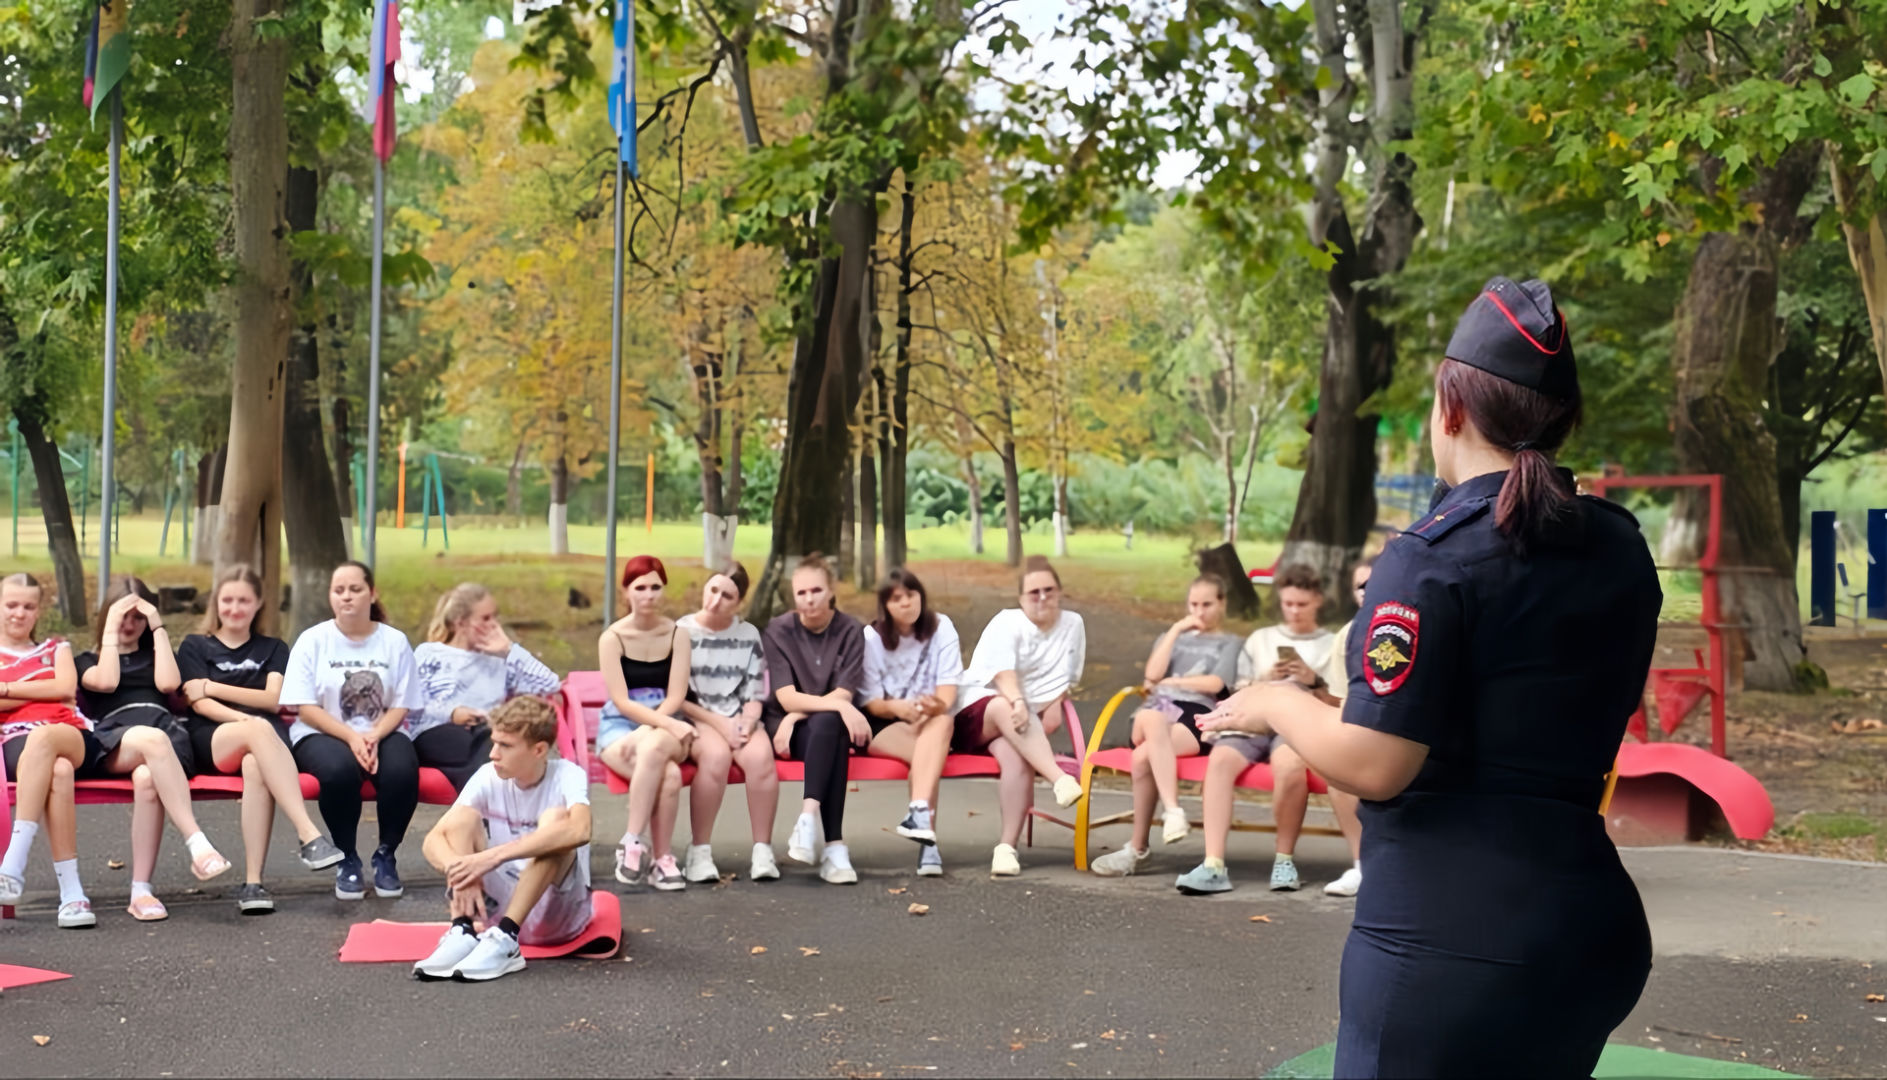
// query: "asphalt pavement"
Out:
[1760,959]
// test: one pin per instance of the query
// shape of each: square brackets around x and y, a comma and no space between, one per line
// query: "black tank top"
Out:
[651,674]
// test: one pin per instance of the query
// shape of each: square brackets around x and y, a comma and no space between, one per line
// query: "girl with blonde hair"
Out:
[468,666]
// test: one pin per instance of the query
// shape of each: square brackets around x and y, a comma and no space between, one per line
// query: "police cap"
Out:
[1515,331]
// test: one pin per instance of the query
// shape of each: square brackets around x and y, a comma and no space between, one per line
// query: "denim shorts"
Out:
[612,726]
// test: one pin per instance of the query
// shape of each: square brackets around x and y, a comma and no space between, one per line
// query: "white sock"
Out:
[68,874]
[14,865]
[631,840]
[141,888]
[919,804]
[197,844]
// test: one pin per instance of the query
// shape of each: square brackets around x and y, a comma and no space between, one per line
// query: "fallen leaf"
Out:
[788,1016]
[114,864]
[897,892]
[808,950]
[1108,1034]
[1877,997]
[971,813]
[756,950]
[1018,1046]
[42,1039]
[919,909]
[1261,918]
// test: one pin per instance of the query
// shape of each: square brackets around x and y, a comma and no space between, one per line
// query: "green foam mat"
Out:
[1618,1061]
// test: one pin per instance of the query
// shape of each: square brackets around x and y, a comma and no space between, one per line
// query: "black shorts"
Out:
[111,731]
[202,731]
[94,753]
[1189,714]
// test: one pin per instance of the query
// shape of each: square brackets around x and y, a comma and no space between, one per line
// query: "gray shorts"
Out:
[1255,748]
[559,915]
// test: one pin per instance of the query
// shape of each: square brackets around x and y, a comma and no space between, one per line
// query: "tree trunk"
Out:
[317,542]
[1726,339]
[209,498]
[514,484]
[1867,250]
[896,440]
[560,506]
[1012,501]
[848,518]
[822,393]
[68,568]
[1336,502]
[1229,534]
[1061,513]
[249,529]
[867,513]
[342,455]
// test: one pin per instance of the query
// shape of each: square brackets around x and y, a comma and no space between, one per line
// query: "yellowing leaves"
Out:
[1613,140]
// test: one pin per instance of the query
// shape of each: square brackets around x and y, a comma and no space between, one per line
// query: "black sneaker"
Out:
[253,899]
[347,883]
[386,875]
[320,853]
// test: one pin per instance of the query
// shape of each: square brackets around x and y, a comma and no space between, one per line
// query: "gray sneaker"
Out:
[666,876]
[253,899]
[1203,880]
[320,853]
[1119,863]
[917,826]
[1284,875]
[929,862]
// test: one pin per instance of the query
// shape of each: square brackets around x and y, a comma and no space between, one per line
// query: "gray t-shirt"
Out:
[1195,653]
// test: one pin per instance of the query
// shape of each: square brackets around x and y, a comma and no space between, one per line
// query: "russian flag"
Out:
[385,52]
[622,85]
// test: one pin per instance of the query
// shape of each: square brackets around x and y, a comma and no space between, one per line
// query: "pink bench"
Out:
[433,788]
[584,694]
[1120,760]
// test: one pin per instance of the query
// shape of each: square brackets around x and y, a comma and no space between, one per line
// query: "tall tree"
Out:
[249,527]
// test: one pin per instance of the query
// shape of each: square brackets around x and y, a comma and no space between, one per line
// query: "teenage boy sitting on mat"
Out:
[520,834]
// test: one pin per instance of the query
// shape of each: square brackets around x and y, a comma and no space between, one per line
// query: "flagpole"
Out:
[615,392]
[111,342]
[373,359]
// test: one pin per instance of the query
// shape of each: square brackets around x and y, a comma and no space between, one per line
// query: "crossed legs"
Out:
[649,758]
[269,779]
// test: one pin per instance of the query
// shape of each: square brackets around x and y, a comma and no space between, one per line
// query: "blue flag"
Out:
[622,85]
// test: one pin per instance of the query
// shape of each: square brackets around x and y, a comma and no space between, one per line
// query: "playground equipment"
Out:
[175,496]
[1671,788]
[432,496]
[1827,536]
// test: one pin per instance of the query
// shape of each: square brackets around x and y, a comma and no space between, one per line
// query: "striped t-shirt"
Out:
[726,668]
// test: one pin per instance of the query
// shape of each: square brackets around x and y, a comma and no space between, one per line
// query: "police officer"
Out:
[1503,642]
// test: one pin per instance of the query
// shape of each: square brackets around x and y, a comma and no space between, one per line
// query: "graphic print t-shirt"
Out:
[511,811]
[355,682]
[247,666]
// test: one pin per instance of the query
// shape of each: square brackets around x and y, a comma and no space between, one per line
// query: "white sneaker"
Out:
[1173,825]
[11,889]
[77,915]
[1067,790]
[699,866]
[803,845]
[1120,863]
[497,953]
[1003,863]
[762,867]
[1346,885]
[455,945]
[835,866]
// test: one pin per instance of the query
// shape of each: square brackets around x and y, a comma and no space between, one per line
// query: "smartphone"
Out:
[1287,654]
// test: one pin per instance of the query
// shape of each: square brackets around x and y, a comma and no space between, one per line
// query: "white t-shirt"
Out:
[1261,651]
[353,681]
[1336,670]
[511,811]
[1048,663]
[914,668]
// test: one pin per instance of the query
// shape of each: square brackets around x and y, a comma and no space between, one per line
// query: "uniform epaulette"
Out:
[1448,519]
[1613,507]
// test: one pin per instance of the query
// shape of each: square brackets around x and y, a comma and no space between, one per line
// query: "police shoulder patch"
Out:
[1448,519]
[1389,648]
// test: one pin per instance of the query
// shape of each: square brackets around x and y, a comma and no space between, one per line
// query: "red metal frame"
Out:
[1711,674]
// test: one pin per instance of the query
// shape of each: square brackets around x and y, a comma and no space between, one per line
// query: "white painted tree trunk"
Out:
[202,542]
[717,540]
[353,537]
[560,528]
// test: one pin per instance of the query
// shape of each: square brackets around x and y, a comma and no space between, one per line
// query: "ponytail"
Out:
[1534,499]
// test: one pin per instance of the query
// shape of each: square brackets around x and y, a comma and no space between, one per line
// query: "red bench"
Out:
[585,693]
[433,788]
[1120,760]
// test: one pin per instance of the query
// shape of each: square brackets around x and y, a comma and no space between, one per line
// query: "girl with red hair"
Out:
[642,736]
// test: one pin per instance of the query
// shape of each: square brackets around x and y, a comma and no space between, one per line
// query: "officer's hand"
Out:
[1242,712]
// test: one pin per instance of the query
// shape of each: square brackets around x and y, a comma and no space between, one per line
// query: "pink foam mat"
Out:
[383,941]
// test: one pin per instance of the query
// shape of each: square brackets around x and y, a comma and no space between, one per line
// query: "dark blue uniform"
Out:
[1498,932]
